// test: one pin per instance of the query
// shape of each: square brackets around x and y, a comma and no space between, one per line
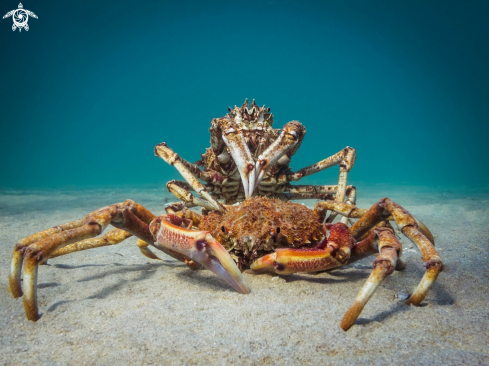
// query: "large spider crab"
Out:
[248,221]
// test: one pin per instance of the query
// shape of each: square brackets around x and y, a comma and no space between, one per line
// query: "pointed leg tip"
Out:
[33,317]
[31,311]
[351,316]
[16,294]
[245,289]
[413,300]
[347,322]
[15,288]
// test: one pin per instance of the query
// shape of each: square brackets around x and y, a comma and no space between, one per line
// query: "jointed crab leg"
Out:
[172,158]
[183,194]
[432,260]
[344,208]
[312,188]
[346,159]
[409,227]
[112,237]
[385,263]
[351,211]
[18,255]
[200,246]
[351,193]
[129,215]
[302,196]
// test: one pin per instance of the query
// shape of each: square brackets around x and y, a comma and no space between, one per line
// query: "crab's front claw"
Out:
[264,264]
[234,140]
[287,261]
[200,246]
[288,142]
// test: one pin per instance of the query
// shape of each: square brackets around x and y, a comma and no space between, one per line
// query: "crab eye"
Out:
[274,232]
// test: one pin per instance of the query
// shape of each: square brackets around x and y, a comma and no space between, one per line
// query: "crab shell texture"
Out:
[258,226]
[255,124]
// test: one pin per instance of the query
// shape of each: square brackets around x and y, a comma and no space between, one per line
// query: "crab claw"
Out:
[290,138]
[234,140]
[290,260]
[200,246]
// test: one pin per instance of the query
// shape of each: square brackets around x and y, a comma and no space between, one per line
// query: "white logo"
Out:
[20,17]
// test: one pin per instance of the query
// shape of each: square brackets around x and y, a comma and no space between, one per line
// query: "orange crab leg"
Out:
[200,246]
[385,263]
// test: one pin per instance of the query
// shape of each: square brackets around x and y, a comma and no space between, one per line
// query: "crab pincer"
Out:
[200,246]
[334,251]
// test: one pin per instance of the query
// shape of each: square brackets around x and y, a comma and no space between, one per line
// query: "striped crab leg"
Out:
[183,167]
[330,253]
[200,246]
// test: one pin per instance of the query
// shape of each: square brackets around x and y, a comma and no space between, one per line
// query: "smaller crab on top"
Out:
[248,157]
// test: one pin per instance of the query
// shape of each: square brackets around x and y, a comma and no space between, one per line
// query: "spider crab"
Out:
[248,221]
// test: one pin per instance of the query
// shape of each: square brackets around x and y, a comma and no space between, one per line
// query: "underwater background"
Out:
[92,87]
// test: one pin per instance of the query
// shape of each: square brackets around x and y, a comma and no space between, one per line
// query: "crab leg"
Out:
[18,255]
[200,246]
[312,189]
[172,158]
[187,197]
[116,236]
[351,211]
[287,143]
[385,263]
[129,216]
[302,196]
[345,158]
[409,227]
[113,237]
[186,214]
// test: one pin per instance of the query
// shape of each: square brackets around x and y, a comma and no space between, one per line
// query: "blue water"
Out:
[92,87]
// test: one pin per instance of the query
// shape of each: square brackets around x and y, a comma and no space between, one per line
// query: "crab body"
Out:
[259,226]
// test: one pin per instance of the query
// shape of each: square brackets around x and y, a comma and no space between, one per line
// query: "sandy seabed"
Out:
[114,306]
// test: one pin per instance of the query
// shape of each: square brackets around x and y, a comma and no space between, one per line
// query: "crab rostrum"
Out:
[248,222]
